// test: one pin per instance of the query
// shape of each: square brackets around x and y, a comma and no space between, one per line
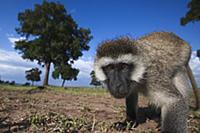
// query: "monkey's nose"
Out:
[122,90]
[117,86]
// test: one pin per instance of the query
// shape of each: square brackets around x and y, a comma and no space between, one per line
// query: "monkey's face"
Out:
[118,79]
[120,75]
[119,65]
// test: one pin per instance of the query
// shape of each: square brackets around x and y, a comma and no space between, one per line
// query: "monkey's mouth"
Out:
[117,92]
[118,95]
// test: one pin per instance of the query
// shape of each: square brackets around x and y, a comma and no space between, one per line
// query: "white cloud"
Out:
[14,59]
[195,66]
[14,39]
[9,35]
[13,67]
[85,65]
[195,63]
[12,63]
[9,56]
[12,70]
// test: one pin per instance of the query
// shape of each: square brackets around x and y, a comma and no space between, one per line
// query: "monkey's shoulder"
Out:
[164,41]
[164,48]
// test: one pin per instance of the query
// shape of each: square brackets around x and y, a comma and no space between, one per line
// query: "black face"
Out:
[118,79]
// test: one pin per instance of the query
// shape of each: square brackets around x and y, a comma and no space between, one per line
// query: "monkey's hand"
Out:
[125,125]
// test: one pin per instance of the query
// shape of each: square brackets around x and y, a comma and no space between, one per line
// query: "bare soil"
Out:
[48,111]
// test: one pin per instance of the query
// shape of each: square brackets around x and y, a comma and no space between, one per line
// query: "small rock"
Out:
[14,128]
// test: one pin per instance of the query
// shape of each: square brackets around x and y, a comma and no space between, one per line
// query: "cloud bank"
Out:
[13,67]
[14,39]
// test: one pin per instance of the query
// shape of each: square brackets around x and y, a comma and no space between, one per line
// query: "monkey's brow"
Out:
[118,65]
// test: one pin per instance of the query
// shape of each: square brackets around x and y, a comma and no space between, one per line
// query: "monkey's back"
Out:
[165,49]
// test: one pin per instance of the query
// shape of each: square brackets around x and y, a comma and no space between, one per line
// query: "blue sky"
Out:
[106,19]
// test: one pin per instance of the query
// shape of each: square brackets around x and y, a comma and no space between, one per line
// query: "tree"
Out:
[33,75]
[198,53]
[51,36]
[193,14]
[12,83]
[66,72]
[94,80]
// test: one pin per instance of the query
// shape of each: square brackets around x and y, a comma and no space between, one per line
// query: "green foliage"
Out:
[69,90]
[94,80]
[15,87]
[66,72]
[51,35]
[12,83]
[193,14]
[33,74]
[198,53]
[7,82]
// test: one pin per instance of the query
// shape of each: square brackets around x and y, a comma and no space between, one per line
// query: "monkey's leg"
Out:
[131,113]
[132,107]
[174,117]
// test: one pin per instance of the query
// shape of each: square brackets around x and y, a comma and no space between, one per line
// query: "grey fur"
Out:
[164,57]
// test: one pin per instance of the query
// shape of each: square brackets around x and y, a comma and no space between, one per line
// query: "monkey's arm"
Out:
[174,108]
[132,106]
[174,117]
[131,113]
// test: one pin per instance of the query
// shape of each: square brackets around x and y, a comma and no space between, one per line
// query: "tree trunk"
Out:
[46,76]
[194,86]
[63,83]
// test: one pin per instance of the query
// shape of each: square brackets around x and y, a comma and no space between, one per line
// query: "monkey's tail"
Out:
[194,86]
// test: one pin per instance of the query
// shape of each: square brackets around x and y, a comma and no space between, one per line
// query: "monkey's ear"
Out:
[99,63]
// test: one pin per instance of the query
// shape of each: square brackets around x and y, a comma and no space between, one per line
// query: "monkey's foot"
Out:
[126,124]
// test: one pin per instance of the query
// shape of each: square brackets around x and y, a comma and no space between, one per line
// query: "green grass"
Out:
[78,90]
[71,90]
[15,87]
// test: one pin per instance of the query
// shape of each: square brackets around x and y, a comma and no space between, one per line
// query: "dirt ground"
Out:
[48,111]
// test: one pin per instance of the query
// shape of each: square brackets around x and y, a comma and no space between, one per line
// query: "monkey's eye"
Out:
[124,66]
[108,67]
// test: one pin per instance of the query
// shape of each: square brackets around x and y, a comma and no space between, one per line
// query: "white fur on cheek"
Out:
[98,67]
[99,73]
[137,74]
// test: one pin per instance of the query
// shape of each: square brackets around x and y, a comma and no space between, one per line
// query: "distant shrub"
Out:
[12,83]
[198,53]
[1,81]
[94,80]
[41,87]
[6,82]
[26,84]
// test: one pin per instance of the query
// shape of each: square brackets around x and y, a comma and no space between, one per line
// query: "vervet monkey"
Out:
[155,65]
